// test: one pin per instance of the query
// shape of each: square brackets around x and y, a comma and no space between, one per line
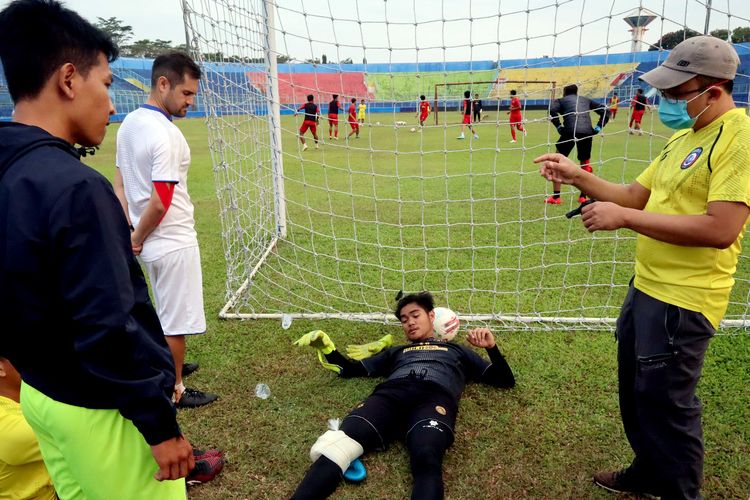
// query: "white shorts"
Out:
[177,282]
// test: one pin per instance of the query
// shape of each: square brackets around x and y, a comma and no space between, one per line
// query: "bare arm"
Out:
[150,219]
[718,228]
[119,187]
[558,168]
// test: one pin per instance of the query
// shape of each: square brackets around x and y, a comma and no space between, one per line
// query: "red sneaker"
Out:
[205,470]
[553,201]
[582,199]
[200,454]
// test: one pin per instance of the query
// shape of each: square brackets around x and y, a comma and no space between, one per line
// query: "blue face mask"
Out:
[675,114]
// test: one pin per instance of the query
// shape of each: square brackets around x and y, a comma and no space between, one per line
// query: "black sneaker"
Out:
[205,470]
[193,399]
[622,481]
[189,368]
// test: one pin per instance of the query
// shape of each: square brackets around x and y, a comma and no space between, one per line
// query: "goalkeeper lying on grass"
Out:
[418,402]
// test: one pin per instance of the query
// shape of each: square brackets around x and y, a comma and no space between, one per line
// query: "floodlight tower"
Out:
[638,19]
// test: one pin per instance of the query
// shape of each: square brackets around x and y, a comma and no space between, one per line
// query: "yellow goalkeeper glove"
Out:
[319,340]
[362,351]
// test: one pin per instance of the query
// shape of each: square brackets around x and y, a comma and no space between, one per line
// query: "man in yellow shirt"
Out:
[613,102]
[361,111]
[23,475]
[689,208]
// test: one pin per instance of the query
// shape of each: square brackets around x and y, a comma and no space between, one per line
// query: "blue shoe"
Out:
[356,472]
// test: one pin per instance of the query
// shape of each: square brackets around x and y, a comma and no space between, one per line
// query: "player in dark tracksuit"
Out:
[476,107]
[417,403]
[575,130]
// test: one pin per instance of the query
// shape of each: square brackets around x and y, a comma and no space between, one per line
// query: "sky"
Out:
[414,30]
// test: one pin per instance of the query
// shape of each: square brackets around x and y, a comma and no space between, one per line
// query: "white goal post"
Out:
[337,229]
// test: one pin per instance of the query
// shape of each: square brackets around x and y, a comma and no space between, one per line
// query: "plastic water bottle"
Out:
[262,391]
[286,321]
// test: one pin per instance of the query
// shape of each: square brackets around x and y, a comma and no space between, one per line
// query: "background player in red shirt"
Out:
[515,116]
[353,123]
[424,110]
[638,106]
[466,113]
[310,121]
[333,118]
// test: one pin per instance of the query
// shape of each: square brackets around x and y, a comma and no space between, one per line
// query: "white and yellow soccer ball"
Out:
[413,129]
[446,324]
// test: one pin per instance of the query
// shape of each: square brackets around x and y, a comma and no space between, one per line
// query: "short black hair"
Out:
[467,93]
[174,65]
[310,97]
[570,90]
[513,92]
[614,93]
[354,99]
[335,96]
[707,81]
[39,36]
[422,299]
[422,97]
[639,91]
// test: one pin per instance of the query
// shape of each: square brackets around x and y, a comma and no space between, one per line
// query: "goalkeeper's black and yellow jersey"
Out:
[446,364]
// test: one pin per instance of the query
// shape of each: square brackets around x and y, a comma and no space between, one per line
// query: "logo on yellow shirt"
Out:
[691,158]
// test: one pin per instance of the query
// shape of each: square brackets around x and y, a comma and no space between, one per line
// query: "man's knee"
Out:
[337,447]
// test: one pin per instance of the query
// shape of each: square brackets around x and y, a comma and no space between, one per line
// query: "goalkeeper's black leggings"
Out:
[426,442]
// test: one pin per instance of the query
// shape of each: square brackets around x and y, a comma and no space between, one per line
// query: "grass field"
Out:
[543,439]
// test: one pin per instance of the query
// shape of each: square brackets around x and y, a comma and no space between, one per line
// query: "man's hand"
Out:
[603,216]
[137,247]
[481,337]
[558,168]
[317,339]
[174,458]
[362,351]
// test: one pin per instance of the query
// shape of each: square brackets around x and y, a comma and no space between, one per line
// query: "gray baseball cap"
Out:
[699,55]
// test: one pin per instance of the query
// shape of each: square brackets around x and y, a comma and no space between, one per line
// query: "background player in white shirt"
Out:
[153,158]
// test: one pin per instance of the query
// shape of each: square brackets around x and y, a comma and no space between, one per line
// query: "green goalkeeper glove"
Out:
[319,340]
[360,352]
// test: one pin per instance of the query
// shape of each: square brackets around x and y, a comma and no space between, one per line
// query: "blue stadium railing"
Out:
[127,96]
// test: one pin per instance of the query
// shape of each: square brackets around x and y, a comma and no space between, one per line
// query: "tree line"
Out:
[670,40]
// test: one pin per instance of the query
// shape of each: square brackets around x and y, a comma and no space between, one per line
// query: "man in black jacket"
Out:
[575,130]
[78,323]
[417,403]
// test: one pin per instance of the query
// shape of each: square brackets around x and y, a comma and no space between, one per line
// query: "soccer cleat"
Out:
[512,141]
[199,454]
[476,136]
[193,399]
[304,147]
[205,470]
[582,199]
[622,481]
[189,368]
[316,146]
[460,137]
[553,201]
[524,131]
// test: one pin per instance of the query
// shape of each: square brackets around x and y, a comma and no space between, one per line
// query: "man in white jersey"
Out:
[153,158]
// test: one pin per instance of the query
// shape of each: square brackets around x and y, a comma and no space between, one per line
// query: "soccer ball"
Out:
[412,129]
[377,123]
[446,324]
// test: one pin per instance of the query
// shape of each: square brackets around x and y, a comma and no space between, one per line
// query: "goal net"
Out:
[490,99]
[335,231]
